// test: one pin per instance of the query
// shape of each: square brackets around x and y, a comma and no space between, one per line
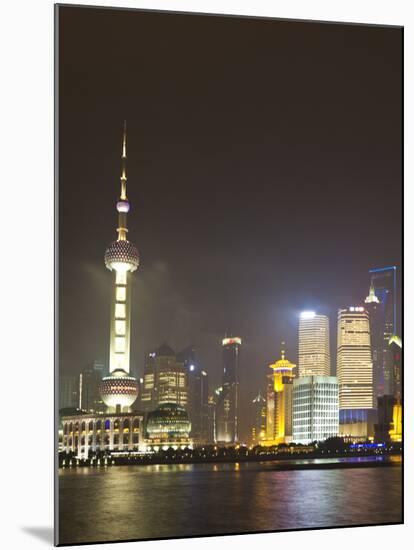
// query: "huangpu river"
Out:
[158,501]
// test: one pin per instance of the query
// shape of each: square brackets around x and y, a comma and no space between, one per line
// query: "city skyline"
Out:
[186,238]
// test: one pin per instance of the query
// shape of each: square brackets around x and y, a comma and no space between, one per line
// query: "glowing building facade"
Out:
[314,354]
[119,390]
[315,408]
[355,372]
[168,427]
[279,401]
[227,405]
[165,380]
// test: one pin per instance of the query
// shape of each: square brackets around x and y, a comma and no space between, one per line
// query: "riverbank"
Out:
[282,461]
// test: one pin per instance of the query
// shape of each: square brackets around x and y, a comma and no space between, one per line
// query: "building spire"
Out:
[282,350]
[123,204]
[124,158]
[371,298]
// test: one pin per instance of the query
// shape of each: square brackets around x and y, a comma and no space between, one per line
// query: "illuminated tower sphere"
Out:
[120,390]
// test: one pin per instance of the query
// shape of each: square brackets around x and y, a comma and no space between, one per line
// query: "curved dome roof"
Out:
[168,419]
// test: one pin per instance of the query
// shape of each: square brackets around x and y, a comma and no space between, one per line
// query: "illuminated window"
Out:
[120,327]
[120,293]
[121,277]
[119,344]
[120,311]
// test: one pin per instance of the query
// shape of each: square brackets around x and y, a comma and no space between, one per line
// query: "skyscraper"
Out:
[314,354]
[373,306]
[165,380]
[90,378]
[258,431]
[120,390]
[279,401]
[315,408]
[354,370]
[384,282]
[68,391]
[197,395]
[227,406]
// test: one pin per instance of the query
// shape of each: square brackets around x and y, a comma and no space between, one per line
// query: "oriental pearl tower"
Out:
[119,390]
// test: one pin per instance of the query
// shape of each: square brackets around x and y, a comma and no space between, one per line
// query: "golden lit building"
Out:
[279,401]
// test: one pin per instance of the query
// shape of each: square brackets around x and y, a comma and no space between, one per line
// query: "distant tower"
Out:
[228,402]
[120,390]
[314,354]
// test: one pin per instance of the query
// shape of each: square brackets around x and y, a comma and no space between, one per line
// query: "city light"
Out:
[307,314]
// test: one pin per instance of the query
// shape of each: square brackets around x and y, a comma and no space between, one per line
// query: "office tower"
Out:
[227,406]
[373,306]
[90,379]
[395,347]
[279,401]
[314,354]
[354,370]
[119,390]
[165,380]
[315,408]
[384,282]
[197,395]
[68,391]
[258,431]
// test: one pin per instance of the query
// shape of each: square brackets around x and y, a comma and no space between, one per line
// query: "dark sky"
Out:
[264,174]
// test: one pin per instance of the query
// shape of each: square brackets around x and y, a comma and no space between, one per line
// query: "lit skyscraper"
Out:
[373,306]
[165,380]
[227,407]
[279,401]
[120,390]
[354,370]
[314,354]
[384,283]
[315,408]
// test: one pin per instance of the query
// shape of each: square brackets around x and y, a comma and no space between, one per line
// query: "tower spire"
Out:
[123,203]
[124,158]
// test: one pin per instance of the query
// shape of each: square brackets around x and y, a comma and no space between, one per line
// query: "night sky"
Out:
[264,175]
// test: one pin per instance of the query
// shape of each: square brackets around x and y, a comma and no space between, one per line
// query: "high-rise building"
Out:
[165,380]
[373,306]
[384,282]
[258,431]
[227,406]
[119,390]
[68,392]
[314,353]
[90,379]
[395,345]
[279,401]
[197,395]
[315,408]
[354,371]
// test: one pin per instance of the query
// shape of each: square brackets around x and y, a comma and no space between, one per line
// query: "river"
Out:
[158,501]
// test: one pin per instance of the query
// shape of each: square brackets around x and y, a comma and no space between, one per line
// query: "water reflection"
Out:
[133,502]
